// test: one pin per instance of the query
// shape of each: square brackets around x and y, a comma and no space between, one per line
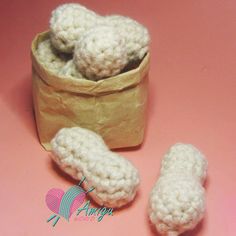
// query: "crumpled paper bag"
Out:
[114,107]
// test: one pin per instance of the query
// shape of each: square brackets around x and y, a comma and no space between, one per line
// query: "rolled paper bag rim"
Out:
[113,84]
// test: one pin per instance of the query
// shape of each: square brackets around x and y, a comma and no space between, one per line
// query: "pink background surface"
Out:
[192,100]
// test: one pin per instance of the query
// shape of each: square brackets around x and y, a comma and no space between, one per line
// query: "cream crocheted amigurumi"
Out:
[68,22]
[102,46]
[136,36]
[69,70]
[100,53]
[81,152]
[185,158]
[49,57]
[177,201]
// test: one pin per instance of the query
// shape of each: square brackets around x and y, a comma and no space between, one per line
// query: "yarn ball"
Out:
[68,22]
[100,53]
[49,57]
[177,204]
[136,36]
[80,152]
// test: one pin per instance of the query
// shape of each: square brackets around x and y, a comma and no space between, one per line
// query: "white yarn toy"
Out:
[81,152]
[102,46]
[100,53]
[68,22]
[177,201]
[70,70]
[185,158]
[136,36]
[49,57]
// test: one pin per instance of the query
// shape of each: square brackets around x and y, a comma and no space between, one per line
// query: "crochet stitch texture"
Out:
[177,201]
[81,152]
[136,36]
[187,159]
[68,22]
[102,46]
[49,57]
[100,53]
[70,70]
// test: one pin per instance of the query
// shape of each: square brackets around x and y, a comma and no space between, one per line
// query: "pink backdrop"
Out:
[192,100]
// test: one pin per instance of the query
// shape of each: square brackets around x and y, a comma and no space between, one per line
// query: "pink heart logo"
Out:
[54,197]
[65,203]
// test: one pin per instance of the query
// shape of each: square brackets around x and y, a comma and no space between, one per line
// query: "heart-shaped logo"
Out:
[53,199]
[64,203]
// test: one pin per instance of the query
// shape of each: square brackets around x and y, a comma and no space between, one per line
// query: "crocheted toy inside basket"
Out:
[114,107]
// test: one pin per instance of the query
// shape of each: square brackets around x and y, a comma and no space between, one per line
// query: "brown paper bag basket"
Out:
[114,107]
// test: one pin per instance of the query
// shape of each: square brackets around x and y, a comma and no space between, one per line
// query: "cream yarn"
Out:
[70,70]
[177,201]
[80,152]
[136,36]
[100,53]
[68,22]
[185,158]
[177,204]
[49,57]
[102,46]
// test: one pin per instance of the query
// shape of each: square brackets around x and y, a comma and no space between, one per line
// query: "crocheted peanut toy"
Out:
[102,46]
[100,53]
[136,36]
[68,22]
[49,57]
[177,201]
[81,152]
